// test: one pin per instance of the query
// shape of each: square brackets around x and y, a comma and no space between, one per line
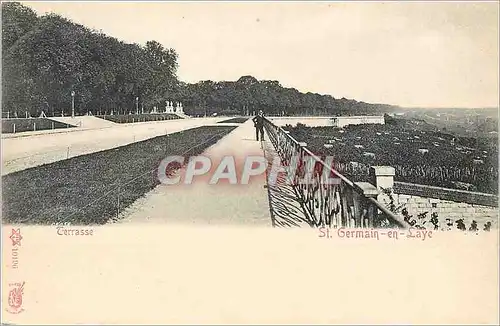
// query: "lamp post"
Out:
[72,104]
[137,105]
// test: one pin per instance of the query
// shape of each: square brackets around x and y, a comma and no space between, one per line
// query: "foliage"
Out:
[247,95]
[46,58]
[450,159]
[131,118]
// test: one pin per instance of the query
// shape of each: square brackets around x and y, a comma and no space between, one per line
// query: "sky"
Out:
[432,54]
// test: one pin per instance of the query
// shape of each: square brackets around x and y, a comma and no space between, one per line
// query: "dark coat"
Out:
[258,121]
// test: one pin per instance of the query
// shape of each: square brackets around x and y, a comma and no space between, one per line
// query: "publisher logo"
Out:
[15,300]
[16,237]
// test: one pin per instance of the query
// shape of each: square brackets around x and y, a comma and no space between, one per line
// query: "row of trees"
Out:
[248,94]
[47,58]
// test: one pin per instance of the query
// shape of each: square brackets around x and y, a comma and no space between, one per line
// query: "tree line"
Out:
[48,58]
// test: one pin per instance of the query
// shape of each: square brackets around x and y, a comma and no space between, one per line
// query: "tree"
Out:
[17,20]
[46,58]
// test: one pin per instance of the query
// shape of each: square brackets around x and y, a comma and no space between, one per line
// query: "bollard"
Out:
[14,127]
[34,126]
[52,125]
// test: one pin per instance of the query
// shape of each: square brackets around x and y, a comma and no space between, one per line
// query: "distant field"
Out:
[132,118]
[91,189]
[465,122]
[425,157]
[10,126]
[234,120]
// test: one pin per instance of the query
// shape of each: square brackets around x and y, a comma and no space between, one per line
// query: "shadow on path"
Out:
[284,205]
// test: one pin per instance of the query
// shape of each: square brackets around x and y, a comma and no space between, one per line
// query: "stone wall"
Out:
[448,205]
[446,209]
[308,121]
[454,195]
[338,121]
[357,120]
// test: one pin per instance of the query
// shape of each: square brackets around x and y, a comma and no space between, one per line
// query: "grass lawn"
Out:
[10,126]
[234,120]
[89,189]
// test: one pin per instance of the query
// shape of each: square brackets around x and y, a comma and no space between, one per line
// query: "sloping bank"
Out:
[90,189]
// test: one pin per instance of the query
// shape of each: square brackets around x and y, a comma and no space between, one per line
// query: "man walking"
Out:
[258,122]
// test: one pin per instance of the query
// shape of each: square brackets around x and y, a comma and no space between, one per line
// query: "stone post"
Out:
[365,211]
[382,177]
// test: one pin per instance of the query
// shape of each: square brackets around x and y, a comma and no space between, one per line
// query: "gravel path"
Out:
[202,203]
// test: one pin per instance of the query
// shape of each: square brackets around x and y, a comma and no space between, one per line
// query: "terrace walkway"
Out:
[39,148]
[84,121]
[202,203]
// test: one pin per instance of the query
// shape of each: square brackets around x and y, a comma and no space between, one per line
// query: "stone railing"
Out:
[455,195]
[383,178]
[334,204]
